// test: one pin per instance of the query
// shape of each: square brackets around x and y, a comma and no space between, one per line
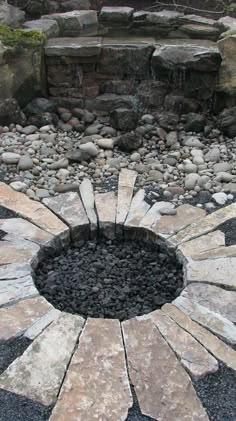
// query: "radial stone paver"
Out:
[39,372]
[17,318]
[218,348]
[87,196]
[216,323]
[205,225]
[169,225]
[25,230]
[198,245]
[17,289]
[125,194]
[163,388]
[14,271]
[35,212]
[214,298]
[18,251]
[194,358]
[37,327]
[96,386]
[153,215]
[69,208]
[106,210]
[137,211]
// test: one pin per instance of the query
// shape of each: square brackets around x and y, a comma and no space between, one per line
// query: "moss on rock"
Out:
[13,37]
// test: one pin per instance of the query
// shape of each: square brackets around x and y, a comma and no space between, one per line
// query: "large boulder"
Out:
[10,112]
[227,73]
[69,5]
[33,8]
[10,15]
[124,119]
[76,22]
[227,122]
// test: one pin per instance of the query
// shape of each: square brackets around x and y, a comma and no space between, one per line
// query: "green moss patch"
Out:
[12,37]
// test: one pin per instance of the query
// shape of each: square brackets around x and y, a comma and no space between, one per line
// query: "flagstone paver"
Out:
[205,225]
[37,327]
[39,372]
[15,319]
[216,323]
[153,215]
[194,358]
[207,242]
[163,388]
[14,271]
[15,289]
[106,209]
[214,298]
[169,225]
[23,229]
[96,386]
[70,209]
[137,211]
[125,194]
[219,271]
[18,251]
[33,211]
[87,196]
[217,347]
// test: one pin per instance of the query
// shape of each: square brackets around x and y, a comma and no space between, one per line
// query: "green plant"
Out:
[12,37]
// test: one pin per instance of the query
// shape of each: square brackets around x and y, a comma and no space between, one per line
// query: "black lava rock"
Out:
[124,119]
[112,279]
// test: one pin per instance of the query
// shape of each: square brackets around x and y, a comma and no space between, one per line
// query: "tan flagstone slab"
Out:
[216,299]
[163,388]
[39,372]
[70,209]
[194,358]
[87,196]
[169,225]
[153,215]
[202,244]
[221,271]
[17,289]
[33,211]
[205,225]
[38,327]
[15,319]
[96,386]
[18,251]
[214,322]
[14,270]
[216,253]
[21,228]
[138,210]
[217,347]
[126,184]
[106,210]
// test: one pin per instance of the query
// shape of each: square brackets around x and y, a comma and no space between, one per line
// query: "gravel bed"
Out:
[17,408]
[134,413]
[112,279]
[217,392]
[10,350]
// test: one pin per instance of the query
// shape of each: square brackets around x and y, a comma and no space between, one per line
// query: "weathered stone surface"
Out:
[138,210]
[218,348]
[96,385]
[199,31]
[227,73]
[163,388]
[116,14]
[216,253]
[205,225]
[49,27]
[15,270]
[76,22]
[126,57]
[17,289]
[214,298]
[204,243]
[74,47]
[125,193]
[24,229]
[153,215]
[194,358]
[214,322]
[18,251]
[35,212]
[87,196]
[109,102]
[37,327]
[204,57]
[17,318]
[106,210]
[213,271]
[39,372]
[10,15]
[171,224]
[69,208]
